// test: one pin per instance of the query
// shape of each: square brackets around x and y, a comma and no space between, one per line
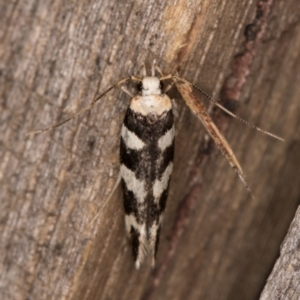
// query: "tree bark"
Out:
[283,283]
[216,242]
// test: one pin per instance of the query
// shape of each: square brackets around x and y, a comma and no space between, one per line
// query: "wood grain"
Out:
[216,242]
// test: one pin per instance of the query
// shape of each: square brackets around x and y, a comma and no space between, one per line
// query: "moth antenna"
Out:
[166,77]
[85,108]
[108,198]
[237,117]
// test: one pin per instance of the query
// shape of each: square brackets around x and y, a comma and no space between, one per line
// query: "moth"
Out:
[147,151]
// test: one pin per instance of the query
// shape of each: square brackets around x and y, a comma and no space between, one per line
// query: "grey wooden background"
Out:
[216,242]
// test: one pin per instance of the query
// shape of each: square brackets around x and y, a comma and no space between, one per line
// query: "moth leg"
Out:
[169,86]
[174,108]
[109,196]
[125,90]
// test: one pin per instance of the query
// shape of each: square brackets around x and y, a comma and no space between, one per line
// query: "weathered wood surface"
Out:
[283,282]
[216,243]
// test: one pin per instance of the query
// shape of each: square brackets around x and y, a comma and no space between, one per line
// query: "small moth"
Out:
[147,150]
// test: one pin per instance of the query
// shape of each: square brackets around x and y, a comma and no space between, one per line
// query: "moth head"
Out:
[150,86]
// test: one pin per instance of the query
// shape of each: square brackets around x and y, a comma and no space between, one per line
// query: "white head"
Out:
[151,86]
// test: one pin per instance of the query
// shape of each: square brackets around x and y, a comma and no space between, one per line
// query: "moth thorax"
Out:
[151,86]
[152,118]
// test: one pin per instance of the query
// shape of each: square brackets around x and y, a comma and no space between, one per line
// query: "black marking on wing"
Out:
[163,199]
[135,242]
[167,157]
[129,157]
[130,202]
[157,241]
[148,165]
[148,133]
